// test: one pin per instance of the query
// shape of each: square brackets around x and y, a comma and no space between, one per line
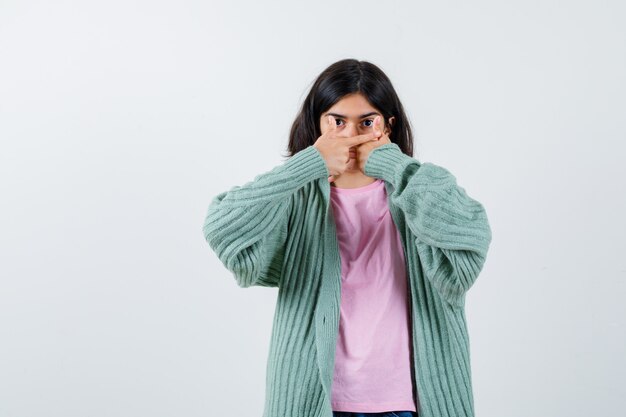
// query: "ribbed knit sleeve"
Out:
[247,226]
[451,228]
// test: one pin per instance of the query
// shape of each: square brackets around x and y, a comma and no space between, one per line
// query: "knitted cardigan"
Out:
[278,231]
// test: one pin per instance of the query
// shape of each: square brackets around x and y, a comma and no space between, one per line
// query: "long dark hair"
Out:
[345,77]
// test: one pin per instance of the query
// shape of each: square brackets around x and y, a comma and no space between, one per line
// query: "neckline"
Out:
[356,190]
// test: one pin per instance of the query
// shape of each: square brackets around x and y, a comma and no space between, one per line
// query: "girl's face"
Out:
[354,116]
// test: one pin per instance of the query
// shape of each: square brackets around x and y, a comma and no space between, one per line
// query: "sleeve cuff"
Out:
[386,161]
[307,165]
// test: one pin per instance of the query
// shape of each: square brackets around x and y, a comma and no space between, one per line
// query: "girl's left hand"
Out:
[364,149]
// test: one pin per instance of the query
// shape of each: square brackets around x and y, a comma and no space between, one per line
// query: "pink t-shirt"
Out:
[372,360]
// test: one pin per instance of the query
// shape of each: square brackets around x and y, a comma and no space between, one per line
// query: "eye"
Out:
[338,121]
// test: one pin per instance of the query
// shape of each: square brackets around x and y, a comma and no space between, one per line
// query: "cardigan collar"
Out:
[327,308]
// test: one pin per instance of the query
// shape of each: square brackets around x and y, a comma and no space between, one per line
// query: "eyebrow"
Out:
[360,117]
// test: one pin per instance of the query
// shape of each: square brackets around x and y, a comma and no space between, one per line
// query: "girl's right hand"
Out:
[336,149]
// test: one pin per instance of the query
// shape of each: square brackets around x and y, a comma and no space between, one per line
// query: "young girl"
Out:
[372,251]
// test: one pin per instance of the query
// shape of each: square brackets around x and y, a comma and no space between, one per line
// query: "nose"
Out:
[349,130]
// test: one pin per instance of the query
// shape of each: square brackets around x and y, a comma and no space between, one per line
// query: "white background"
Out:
[120,120]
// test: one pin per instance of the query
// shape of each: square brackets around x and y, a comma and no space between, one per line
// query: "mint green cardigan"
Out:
[278,231]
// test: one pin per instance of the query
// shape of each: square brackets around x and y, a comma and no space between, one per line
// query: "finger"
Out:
[331,178]
[376,124]
[332,124]
[357,140]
